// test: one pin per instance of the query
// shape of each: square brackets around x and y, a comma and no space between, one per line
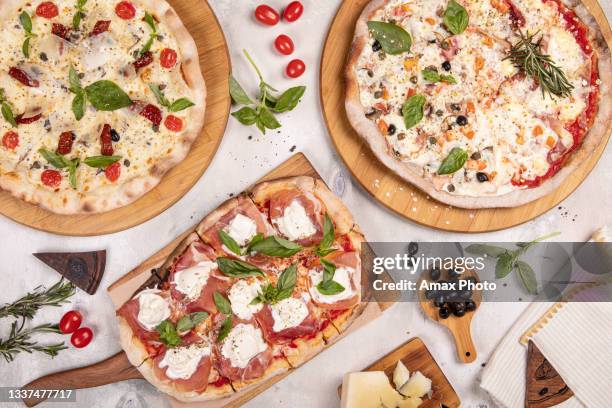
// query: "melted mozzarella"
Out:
[241,294]
[190,281]
[295,223]
[342,276]
[182,362]
[242,229]
[153,309]
[242,344]
[288,313]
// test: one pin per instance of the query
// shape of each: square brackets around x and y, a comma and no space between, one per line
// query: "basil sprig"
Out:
[80,98]
[107,96]
[324,248]
[101,162]
[230,242]
[168,334]
[328,286]
[393,38]
[413,110]
[284,288]
[7,111]
[148,18]
[276,246]
[26,23]
[454,161]
[261,112]
[80,13]
[235,268]
[433,76]
[176,106]
[60,162]
[224,306]
[190,321]
[456,18]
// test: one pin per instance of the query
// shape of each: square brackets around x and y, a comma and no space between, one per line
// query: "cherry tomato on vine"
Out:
[266,15]
[70,322]
[293,11]
[284,44]
[81,337]
[295,68]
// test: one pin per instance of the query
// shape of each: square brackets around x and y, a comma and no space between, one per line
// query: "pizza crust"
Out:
[371,135]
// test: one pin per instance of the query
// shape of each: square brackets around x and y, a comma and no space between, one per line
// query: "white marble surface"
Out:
[238,163]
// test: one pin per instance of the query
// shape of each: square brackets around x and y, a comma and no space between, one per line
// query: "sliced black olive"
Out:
[439,301]
[431,294]
[470,305]
[370,73]
[433,140]
[115,137]
[455,106]
[450,188]
[458,309]
[43,57]
[446,65]
[482,177]
[462,120]
[377,46]
[465,294]
[391,129]
[434,274]
[439,113]
[444,312]
[126,163]
[414,79]
[476,156]
[401,136]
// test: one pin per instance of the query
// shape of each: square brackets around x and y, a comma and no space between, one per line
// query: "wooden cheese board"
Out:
[394,192]
[118,368]
[201,22]
[416,357]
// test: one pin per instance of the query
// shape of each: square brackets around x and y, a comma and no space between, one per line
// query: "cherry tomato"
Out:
[64,145]
[47,9]
[173,123]
[295,68]
[168,58]
[284,44]
[266,15]
[81,337]
[10,140]
[293,11]
[113,172]
[70,322]
[51,178]
[125,10]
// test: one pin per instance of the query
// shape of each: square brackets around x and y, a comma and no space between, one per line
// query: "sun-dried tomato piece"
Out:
[100,27]
[60,30]
[113,172]
[26,121]
[144,60]
[23,77]
[106,141]
[64,145]
[152,113]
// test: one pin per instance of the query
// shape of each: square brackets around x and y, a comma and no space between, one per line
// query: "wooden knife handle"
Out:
[113,369]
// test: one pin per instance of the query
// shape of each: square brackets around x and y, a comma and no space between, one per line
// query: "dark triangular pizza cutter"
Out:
[545,387]
[84,269]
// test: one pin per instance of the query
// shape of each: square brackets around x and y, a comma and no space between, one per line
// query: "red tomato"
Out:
[152,113]
[81,337]
[70,322]
[168,58]
[106,141]
[293,11]
[64,145]
[51,178]
[173,123]
[284,44]
[113,172]
[125,10]
[295,68]
[10,140]
[47,9]
[266,15]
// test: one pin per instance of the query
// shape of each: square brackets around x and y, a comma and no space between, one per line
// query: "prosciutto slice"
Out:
[309,327]
[342,260]
[314,210]
[129,311]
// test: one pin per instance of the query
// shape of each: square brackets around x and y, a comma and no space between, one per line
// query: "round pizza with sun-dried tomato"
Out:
[264,283]
[480,103]
[99,99]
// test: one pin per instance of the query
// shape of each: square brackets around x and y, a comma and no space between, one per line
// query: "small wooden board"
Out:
[545,387]
[416,357]
[201,22]
[391,190]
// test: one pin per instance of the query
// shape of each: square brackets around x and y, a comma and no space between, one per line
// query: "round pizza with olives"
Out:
[480,103]
[99,99]
[265,282]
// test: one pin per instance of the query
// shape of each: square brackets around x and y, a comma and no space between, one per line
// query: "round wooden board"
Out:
[201,22]
[391,190]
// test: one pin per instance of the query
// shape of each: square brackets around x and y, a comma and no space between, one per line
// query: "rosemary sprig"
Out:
[19,341]
[27,306]
[527,56]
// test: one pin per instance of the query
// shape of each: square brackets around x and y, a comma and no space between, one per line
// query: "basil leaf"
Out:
[190,321]
[107,96]
[246,116]
[329,270]
[226,327]
[168,334]
[267,119]
[148,18]
[159,95]
[81,3]
[257,238]
[276,246]
[287,279]
[76,20]
[74,80]
[25,48]
[328,236]
[431,75]
[413,110]
[489,250]
[504,265]
[330,288]
[453,162]
[393,38]
[147,47]
[180,104]
[222,303]
[26,22]
[7,114]
[74,163]
[229,242]
[289,99]
[324,252]
[56,160]
[238,93]
[449,79]
[78,105]
[237,269]
[456,18]
[527,276]
[101,162]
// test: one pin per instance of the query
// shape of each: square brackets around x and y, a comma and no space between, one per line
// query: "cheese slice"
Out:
[371,389]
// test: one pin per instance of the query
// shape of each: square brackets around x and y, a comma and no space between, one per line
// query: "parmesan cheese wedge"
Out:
[417,386]
[401,375]
[372,389]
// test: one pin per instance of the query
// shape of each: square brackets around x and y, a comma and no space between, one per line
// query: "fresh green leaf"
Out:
[288,278]
[78,105]
[190,321]
[56,160]
[168,334]
[235,268]
[238,93]
[329,270]
[449,79]
[159,95]
[76,20]
[25,48]
[229,242]
[504,265]
[456,17]
[412,111]
[222,303]
[26,22]
[276,246]
[527,276]
[257,238]
[289,99]
[393,38]
[180,104]
[267,119]
[330,288]
[74,81]
[72,168]
[101,162]
[246,116]
[453,162]
[148,18]
[489,250]
[431,75]
[7,114]
[105,95]
[328,236]
[226,327]
[324,252]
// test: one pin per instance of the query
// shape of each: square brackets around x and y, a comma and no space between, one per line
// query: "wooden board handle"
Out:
[113,369]
[466,350]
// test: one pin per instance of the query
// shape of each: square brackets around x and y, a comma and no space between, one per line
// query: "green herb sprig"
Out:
[80,100]
[7,110]
[176,106]
[261,112]
[328,286]
[61,162]
[26,23]
[27,306]
[148,18]
[19,340]
[433,76]
[284,287]
[225,307]
[235,268]
[168,334]
[324,248]
[79,14]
